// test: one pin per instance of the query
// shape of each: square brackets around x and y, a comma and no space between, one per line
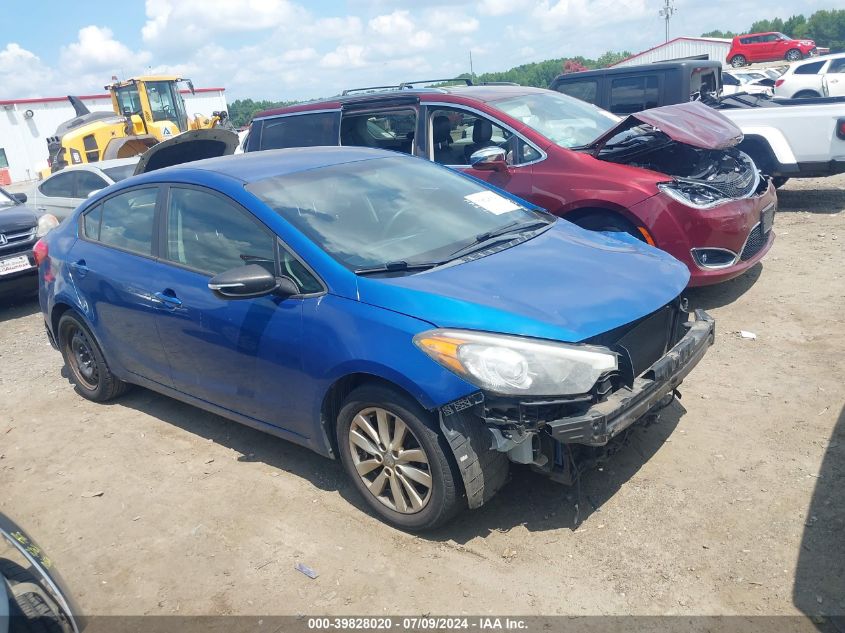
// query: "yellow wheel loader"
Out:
[146,110]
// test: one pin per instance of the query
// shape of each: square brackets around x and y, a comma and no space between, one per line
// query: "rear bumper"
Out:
[19,284]
[604,420]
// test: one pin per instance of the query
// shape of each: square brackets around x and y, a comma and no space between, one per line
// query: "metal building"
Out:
[682,48]
[25,125]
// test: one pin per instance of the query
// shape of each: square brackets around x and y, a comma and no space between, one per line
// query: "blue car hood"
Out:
[566,284]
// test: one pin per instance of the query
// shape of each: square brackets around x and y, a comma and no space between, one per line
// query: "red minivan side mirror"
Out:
[489,159]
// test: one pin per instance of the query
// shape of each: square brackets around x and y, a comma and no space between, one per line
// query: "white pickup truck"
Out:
[790,139]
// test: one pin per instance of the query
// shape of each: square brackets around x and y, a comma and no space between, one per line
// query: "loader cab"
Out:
[153,104]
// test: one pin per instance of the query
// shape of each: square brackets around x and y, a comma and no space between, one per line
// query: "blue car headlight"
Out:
[512,365]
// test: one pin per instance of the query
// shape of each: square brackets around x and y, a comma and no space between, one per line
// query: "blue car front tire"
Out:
[397,459]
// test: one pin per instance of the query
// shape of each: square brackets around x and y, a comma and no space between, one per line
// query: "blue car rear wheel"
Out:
[87,367]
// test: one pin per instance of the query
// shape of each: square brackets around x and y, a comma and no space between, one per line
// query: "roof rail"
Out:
[410,84]
[349,91]
[498,83]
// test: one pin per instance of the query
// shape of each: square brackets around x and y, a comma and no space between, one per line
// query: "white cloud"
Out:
[552,15]
[345,56]
[299,55]
[501,7]
[97,50]
[182,23]
[343,28]
[392,24]
[22,73]
[451,21]
[393,34]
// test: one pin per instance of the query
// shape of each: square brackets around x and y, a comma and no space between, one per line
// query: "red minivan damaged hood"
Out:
[690,123]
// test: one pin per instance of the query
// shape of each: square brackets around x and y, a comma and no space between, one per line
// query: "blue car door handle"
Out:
[168,298]
[80,268]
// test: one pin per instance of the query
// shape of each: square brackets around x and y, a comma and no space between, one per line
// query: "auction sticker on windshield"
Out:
[14,264]
[491,202]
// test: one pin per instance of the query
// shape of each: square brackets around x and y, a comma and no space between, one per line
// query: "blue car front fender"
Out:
[349,338]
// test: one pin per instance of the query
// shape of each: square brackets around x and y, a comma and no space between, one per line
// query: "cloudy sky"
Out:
[296,49]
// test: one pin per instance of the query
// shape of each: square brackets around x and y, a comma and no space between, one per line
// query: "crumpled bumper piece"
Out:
[604,420]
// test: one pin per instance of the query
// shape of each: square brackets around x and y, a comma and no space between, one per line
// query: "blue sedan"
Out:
[420,326]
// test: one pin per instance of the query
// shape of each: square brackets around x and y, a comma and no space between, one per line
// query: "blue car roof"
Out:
[255,166]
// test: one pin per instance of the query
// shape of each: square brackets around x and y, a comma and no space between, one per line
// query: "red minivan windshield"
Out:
[564,120]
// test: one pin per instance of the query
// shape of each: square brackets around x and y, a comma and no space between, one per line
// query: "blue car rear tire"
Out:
[86,365]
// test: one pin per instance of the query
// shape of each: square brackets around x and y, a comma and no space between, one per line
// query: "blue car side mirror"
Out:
[249,282]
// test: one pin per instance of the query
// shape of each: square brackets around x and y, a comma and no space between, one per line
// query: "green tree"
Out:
[723,34]
[795,26]
[540,74]
[241,111]
[761,26]
[827,28]
[611,57]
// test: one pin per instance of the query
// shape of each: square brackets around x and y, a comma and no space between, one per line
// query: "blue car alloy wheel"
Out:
[397,459]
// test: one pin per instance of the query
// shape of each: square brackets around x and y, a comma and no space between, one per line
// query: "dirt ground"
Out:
[731,504]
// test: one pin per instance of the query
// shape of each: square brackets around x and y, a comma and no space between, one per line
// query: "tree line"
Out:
[825,27]
[539,74]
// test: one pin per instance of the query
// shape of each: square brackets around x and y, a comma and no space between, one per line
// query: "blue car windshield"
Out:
[370,213]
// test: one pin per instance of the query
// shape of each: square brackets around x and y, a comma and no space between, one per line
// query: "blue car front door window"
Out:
[210,234]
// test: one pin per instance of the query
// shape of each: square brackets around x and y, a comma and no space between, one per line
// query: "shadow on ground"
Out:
[828,200]
[18,307]
[819,589]
[529,499]
[539,504]
[722,294]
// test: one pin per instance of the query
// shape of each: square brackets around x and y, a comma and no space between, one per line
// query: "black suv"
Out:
[20,228]
[628,89]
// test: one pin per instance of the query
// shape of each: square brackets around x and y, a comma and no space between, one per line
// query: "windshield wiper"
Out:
[396,266]
[491,236]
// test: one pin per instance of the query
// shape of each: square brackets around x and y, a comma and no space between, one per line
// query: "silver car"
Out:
[63,191]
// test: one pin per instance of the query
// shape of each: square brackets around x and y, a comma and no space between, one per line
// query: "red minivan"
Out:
[768,47]
[669,176]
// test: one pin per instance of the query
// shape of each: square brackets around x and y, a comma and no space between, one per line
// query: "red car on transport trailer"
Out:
[768,47]
[669,176]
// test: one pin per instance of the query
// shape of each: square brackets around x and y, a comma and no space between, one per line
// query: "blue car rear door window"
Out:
[128,220]
[91,222]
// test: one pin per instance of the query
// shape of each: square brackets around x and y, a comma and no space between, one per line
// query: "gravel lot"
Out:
[732,503]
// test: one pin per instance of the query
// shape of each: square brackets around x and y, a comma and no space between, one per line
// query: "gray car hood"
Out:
[188,147]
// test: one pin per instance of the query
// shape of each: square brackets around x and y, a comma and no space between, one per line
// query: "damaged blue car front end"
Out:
[538,307]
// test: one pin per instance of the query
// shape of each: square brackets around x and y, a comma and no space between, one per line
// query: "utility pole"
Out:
[666,13]
[471,73]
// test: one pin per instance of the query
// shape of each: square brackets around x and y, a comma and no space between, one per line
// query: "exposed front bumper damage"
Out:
[622,408]
[541,433]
